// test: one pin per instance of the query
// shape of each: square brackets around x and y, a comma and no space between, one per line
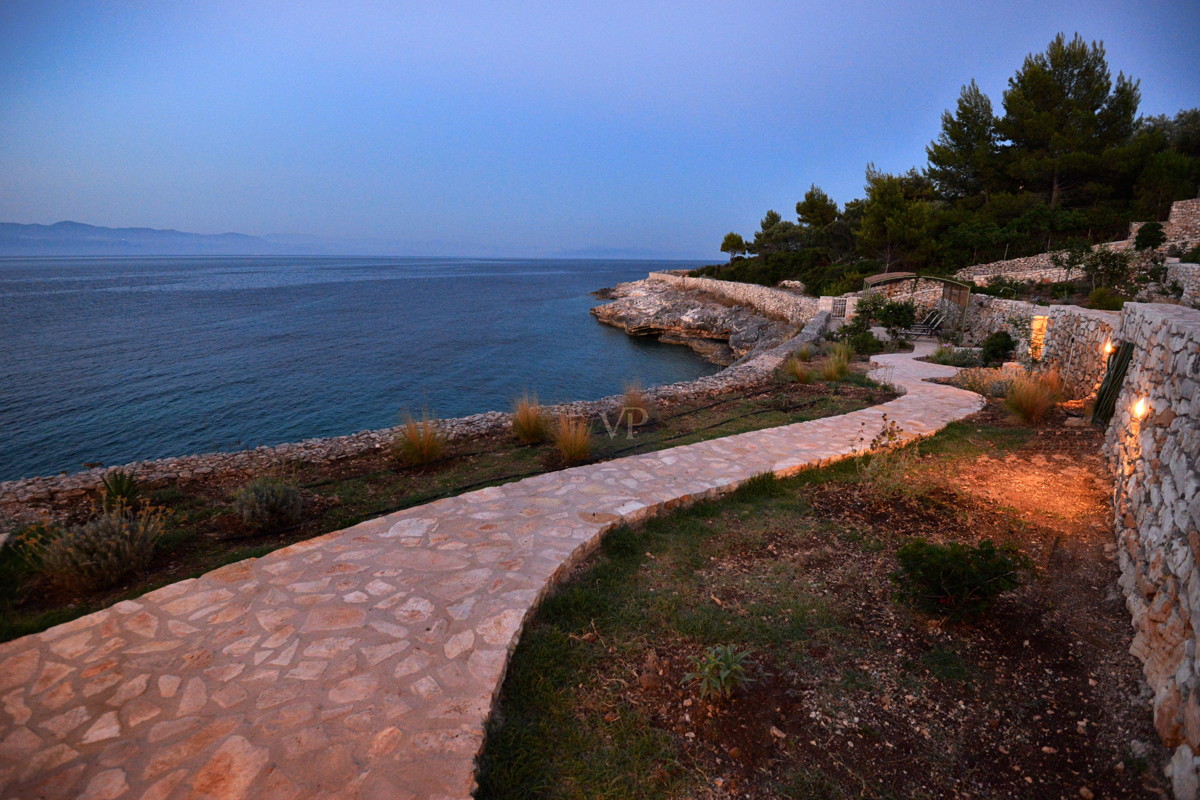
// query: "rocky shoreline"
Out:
[754,345]
[717,329]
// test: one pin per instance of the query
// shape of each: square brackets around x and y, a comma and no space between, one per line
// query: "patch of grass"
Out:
[528,421]
[418,443]
[804,353]
[954,356]
[958,579]
[636,406]
[946,664]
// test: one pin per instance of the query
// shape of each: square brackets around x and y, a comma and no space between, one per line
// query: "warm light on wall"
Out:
[1139,408]
[1108,347]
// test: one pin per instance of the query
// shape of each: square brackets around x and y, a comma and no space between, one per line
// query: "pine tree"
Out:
[962,162]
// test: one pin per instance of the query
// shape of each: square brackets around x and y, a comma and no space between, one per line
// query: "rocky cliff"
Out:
[720,331]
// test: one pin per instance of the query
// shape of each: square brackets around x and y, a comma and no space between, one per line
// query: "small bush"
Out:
[636,406]
[418,443]
[120,488]
[1030,400]
[997,348]
[797,370]
[719,671]
[804,352]
[1149,236]
[897,316]
[528,422]
[866,343]
[1105,299]
[268,504]
[1191,256]
[100,552]
[954,357]
[958,579]
[835,368]
[988,381]
[573,438]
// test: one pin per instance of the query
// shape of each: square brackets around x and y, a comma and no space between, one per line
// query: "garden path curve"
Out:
[362,663]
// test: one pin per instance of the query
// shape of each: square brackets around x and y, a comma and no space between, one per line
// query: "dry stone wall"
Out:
[1188,278]
[1074,342]
[1183,225]
[1155,459]
[770,302]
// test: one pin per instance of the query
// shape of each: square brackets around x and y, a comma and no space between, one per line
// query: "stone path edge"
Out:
[365,662]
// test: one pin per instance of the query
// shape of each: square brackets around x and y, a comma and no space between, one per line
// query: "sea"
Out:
[114,360]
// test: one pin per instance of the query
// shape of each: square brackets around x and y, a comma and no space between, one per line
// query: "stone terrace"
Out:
[363,663]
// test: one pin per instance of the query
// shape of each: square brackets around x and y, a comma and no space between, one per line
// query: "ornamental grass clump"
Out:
[804,352]
[797,370]
[842,350]
[1030,400]
[268,504]
[835,368]
[988,381]
[528,421]
[636,406]
[573,438]
[954,356]
[958,579]
[418,443]
[102,551]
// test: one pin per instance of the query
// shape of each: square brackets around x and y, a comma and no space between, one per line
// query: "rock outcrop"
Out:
[720,331]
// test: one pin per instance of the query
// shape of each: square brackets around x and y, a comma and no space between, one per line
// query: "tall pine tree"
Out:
[962,162]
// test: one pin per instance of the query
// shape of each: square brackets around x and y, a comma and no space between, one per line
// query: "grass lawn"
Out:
[204,532]
[853,693]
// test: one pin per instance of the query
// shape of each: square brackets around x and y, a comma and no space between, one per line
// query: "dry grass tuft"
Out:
[102,551]
[804,352]
[835,368]
[798,371]
[1030,400]
[528,422]
[636,406]
[573,438]
[988,381]
[419,442]
[1053,381]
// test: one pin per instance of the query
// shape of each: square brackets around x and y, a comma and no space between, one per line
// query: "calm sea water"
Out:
[120,359]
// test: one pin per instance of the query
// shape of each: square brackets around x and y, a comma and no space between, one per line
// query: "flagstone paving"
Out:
[363,663]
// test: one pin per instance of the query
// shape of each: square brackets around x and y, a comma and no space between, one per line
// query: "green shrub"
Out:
[1149,236]
[997,348]
[120,488]
[897,316]
[528,422]
[865,343]
[102,551]
[720,670]
[268,504]
[958,579]
[954,357]
[1191,256]
[1105,299]
[417,443]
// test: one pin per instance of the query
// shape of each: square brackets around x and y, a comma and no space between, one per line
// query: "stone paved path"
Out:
[362,663]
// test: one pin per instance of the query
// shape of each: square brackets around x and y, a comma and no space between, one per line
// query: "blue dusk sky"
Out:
[531,128]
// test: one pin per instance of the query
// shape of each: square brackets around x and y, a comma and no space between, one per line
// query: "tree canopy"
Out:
[1068,159]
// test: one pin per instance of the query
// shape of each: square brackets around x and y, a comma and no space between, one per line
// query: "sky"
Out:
[527,129]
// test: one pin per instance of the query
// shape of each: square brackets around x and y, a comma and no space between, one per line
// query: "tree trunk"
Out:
[1054,189]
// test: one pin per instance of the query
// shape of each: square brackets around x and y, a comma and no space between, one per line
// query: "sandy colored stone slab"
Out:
[363,663]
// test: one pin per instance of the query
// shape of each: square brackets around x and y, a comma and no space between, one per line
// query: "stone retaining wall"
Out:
[1188,278]
[1074,339]
[1155,459]
[770,302]
[1183,225]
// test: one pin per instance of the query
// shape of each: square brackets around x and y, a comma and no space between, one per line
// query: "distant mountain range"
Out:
[79,239]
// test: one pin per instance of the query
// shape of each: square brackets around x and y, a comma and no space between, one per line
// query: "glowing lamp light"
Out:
[1107,348]
[1139,408]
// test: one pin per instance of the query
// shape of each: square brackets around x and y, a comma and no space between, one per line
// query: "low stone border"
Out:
[364,663]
